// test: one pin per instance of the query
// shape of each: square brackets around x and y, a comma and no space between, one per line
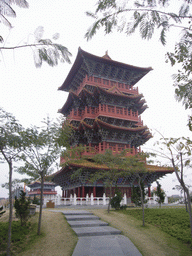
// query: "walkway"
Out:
[96,237]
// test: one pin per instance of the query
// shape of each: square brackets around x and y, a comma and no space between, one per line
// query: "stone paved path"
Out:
[96,237]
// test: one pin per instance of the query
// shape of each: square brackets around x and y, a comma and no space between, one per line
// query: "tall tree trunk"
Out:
[10,209]
[186,208]
[41,203]
[142,203]
[185,189]
[189,206]
[110,195]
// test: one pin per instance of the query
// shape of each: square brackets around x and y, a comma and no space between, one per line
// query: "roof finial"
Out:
[106,56]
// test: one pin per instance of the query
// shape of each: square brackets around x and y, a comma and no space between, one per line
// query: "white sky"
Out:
[30,94]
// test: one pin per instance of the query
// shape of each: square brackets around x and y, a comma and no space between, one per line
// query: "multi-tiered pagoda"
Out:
[104,109]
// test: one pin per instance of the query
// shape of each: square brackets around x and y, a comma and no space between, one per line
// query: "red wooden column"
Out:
[78,193]
[83,191]
[63,193]
[149,191]
[94,191]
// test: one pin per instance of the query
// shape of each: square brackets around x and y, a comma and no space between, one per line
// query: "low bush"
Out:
[116,200]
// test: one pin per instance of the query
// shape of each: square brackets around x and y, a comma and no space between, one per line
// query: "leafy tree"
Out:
[136,195]
[148,16]
[160,194]
[22,208]
[11,148]
[43,49]
[41,155]
[118,166]
[179,154]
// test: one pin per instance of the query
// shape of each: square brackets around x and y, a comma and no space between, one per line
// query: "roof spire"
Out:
[106,56]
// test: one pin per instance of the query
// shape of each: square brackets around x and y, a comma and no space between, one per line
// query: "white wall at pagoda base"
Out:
[74,200]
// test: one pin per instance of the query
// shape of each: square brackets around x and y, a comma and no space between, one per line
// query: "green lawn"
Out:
[173,221]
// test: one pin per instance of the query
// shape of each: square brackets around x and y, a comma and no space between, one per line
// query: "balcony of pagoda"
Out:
[115,148]
[107,111]
[92,150]
[106,84]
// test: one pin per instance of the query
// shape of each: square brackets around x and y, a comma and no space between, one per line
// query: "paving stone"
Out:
[87,223]
[81,217]
[96,231]
[116,245]
[77,212]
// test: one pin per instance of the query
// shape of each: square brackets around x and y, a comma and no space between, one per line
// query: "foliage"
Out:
[116,200]
[36,200]
[160,194]
[22,208]
[42,153]
[43,49]
[11,148]
[1,211]
[179,154]
[20,235]
[136,194]
[148,16]
[7,10]
[173,221]
[118,166]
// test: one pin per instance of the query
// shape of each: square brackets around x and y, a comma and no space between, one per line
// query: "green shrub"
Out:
[22,208]
[116,200]
[36,200]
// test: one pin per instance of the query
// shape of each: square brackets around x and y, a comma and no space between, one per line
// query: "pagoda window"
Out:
[119,111]
[113,83]
[111,109]
[125,111]
[97,80]
[92,110]
[112,146]
[105,81]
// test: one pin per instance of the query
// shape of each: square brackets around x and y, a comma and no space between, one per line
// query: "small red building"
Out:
[104,108]
[48,191]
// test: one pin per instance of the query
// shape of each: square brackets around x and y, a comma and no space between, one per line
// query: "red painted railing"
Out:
[107,84]
[105,110]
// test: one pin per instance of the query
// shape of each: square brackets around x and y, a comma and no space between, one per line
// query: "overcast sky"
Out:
[30,93]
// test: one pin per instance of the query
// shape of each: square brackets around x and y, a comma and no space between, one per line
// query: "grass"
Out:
[57,237]
[150,240]
[174,222]
[21,237]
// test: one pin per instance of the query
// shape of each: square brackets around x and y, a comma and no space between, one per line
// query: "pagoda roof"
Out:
[89,64]
[84,163]
[98,90]
[37,182]
[98,123]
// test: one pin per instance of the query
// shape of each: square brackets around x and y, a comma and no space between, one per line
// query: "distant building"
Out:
[48,191]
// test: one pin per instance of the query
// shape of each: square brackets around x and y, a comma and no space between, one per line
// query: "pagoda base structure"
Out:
[82,187]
